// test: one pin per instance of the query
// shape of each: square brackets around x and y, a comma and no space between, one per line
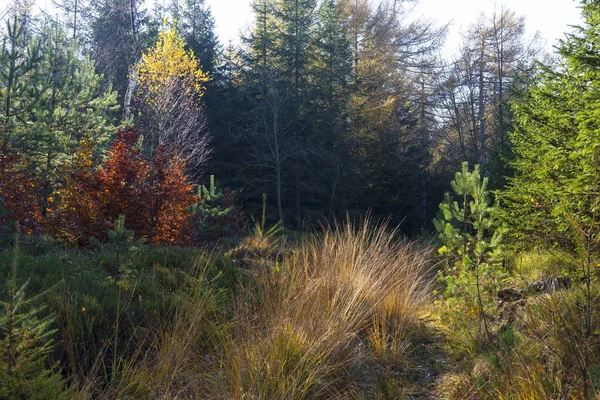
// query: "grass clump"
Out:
[307,327]
[168,359]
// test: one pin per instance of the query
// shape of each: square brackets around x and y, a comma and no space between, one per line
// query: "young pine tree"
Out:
[20,80]
[471,238]
[25,342]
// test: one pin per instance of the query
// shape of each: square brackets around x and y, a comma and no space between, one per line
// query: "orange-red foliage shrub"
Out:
[75,211]
[19,194]
[125,185]
[154,196]
[173,199]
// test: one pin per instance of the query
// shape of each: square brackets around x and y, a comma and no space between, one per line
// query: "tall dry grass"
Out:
[332,320]
[315,325]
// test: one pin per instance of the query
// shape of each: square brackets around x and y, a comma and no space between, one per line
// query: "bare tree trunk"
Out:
[482,109]
[75,21]
[131,85]
[424,141]
[277,158]
[132,70]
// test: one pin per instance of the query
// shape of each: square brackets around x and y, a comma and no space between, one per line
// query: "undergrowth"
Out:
[332,315]
[536,350]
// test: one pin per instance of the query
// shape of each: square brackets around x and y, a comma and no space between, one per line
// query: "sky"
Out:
[550,17]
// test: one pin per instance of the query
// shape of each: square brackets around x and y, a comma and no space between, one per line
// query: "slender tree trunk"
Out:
[477,279]
[355,37]
[75,20]
[480,302]
[279,206]
[424,141]
[277,160]
[587,316]
[132,70]
[482,110]
[8,97]
[131,86]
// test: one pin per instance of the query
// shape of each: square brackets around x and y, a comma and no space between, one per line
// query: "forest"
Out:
[331,207]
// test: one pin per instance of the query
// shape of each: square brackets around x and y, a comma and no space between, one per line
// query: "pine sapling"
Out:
[25,343]
[470,236]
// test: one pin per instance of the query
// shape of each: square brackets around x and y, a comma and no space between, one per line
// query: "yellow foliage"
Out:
[168,61]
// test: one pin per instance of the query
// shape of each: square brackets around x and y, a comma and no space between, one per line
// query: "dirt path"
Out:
[432,363]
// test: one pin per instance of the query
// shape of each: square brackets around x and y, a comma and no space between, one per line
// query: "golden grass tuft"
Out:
[344,297]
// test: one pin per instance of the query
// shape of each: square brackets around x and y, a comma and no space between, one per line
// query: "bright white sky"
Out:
[550,17]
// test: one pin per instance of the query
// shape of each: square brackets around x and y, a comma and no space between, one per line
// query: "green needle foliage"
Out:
[555,194]
[210,207]
[19,62]
[25,342]
[121,240]
[217,215]
[557,142]
[468,229]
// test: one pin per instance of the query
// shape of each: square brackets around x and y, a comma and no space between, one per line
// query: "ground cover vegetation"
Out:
[328,209]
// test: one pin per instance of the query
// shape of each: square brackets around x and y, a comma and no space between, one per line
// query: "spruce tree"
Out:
[330,72]
[555,194]
[117,40]
[72,106]
[198,31]
[556,140]
[383,118]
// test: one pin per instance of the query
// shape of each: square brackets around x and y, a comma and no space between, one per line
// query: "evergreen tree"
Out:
[117,39]
[73,17]
[217,214]
[72,106]
[296,22]
[198,31]
[383,139]
[227,109]
[20,80]
[556,141]
[469,230]
[328,97]
[26,341]
[122,241]
[555,194]
[260,42]
[269,142]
